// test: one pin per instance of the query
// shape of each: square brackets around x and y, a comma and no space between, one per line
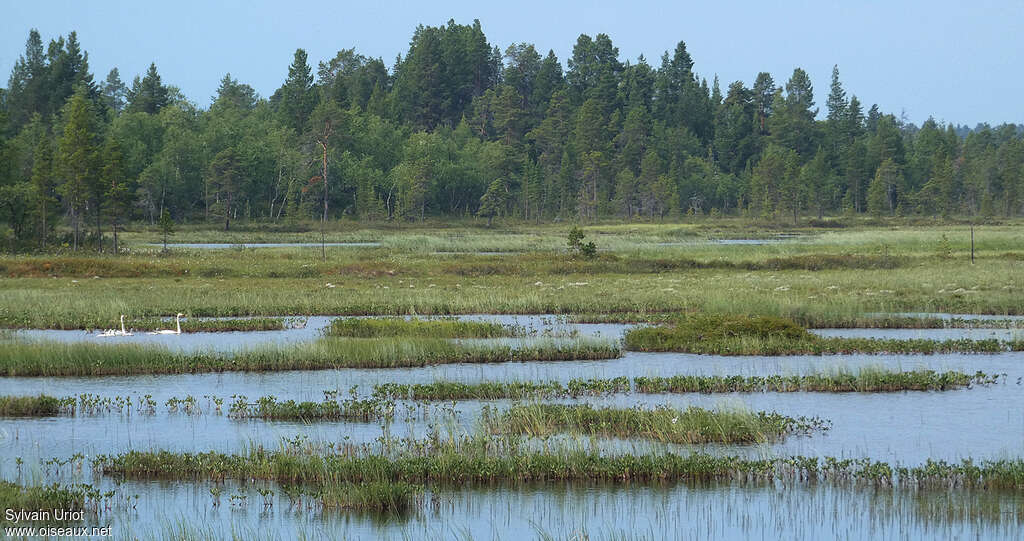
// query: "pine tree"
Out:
[148,95]
[77,158]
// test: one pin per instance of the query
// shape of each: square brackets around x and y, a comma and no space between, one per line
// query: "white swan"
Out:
[114,332]
[123,332]
[177,321]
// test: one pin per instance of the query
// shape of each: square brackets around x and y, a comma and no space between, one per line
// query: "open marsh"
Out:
[834,285]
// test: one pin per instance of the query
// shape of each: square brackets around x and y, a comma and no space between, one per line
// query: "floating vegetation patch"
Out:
[330,409]
[375,496]
[494,390]
[84,359]
[866,380]
[460,467]
[29,406]
[718,334]
[423,328]
[692,426]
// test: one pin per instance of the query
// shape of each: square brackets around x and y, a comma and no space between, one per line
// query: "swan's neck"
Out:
[177,321]
[122,326]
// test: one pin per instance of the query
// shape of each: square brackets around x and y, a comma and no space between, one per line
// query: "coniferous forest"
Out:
[459,126]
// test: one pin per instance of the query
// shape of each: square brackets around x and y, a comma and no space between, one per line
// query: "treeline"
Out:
[458,127]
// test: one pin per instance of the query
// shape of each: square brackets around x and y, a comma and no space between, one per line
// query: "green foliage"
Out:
[588,250]
[606,138]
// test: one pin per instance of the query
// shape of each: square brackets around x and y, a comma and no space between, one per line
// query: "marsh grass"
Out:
[720,334]
[494,390]
[829,279]
[374,496]
[866,380]
[40,497]
[422,328]
[330,409]
[459,467]
[83,359]
[29,406]
[874,380]
[691,426]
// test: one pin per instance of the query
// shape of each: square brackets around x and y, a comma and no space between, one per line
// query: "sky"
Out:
[956,61]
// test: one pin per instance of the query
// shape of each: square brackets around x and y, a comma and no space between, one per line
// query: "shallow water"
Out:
[227,342]
[592,512]
[904,427]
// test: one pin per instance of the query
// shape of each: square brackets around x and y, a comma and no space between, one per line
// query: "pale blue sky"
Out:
[958,61]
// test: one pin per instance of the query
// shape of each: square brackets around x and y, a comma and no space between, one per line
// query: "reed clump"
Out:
[375,496]
[29,406]
[423,328]
[691,426]
[722,334]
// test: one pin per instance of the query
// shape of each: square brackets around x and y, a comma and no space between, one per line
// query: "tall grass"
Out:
[84,359]
[693,425]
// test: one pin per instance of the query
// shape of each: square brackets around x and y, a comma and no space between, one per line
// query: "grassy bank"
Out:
[692,425]
[719,334]
[421,328]
[83,359]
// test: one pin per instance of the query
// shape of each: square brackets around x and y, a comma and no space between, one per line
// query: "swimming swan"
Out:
[113,332]
[177,321]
